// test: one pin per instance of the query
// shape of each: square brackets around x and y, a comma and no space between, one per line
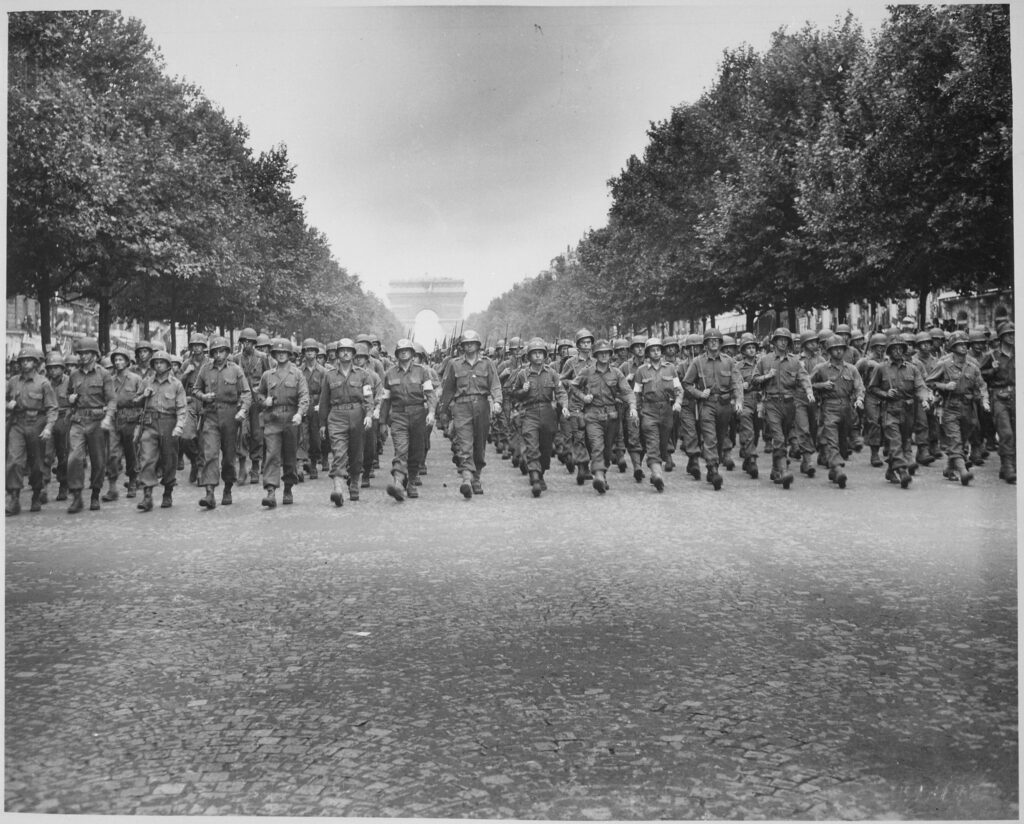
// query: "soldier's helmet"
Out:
[712,333]
[218,342]
[835,342]
[515,344]
[619,343]
[469,336]
[348,343]
[163,355]
[583,334]
[374,338]
[908,338]
[824,335]
[332,346]
[124,353]
[263,340]
[143,344]
[957,338]
[309,343]
[419,349]
[782,332]
[895,341]
[362,337]
[248,334]
[977,336]
[30,353]
[281,345]
[856,336]
[1007,329]
[670,340]
[197,339]
[602,346]
[923,337]
[652,342]
[54,358]
[499,345]
[695,340]
[88,345]
[158,344]
[362,347]
[535,344]
[937,334]
[564,342]
[105,362]
[637,340]
[748,339]
[877,339]
[843,329]
[728,341]
[404,343]
[175,358]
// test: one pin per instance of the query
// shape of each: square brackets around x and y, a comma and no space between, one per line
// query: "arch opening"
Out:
[426,328]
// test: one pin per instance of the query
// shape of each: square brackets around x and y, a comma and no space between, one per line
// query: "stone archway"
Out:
[443,296]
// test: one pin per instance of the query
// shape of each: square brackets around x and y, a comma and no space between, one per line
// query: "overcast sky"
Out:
[472,142]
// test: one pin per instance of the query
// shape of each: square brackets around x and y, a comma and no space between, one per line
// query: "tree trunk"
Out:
[842,313]
[922,304]
[174,323]
[103,321]
[711,321]
[792,319]
[45,297]
[751,319]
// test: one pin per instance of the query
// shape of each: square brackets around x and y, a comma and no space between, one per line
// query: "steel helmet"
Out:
[652,342]
[198,338]
[218,342]
[937,334]
[175,359]
[1007,329]
[551,349]
[248,334]
[105,362]
[88,345]
[747,338]
[602,346]
[419,348]
[281,345]
[534,344]
[895,340]
[362,348]
[842,329]
[374,337]
[620,343]
[124,353]
[958,338]
[564,342]
[332,346]
[637,340]
[362,337]
[583,333]
[727,341]
[54,358]
[671,340]
[908,338]
[163,355]
[694,340]
[856,335]
[977,336]
[782,332]
[923,337]
[310,343]
[514,343]
[712,333]
[877,339]
[263,340]
[30,352]
[347,343]
[469,336]
[824,334]
[143,344]
[404,343]
[835,342]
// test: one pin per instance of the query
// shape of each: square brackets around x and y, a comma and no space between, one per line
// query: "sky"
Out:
[470,142]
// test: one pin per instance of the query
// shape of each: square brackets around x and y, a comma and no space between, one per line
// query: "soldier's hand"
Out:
[810,397]
[376,414]
[566,413]
[677,407]
[176,432]
[430,419]
[738,406]
[495,407]
[858,404]
[72,398]
[950,387]
[107,424]
[891,393]
[925,405]
[635,415]
[705,394]
[829,384]
[11,405]
[769,374]
[268,402]
[297,418]
[367,421]
[148,393]
[210,397]
[588,398]
[240,416]
[46,434]
[986,406]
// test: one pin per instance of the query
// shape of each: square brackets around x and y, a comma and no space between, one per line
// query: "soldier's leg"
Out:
[273,439]
[355,444]
[369,453]
[546,436]
[36,452]
[229,447]
[167,459]
[830,435]
[339,434]
[289,455]
[400,443]
[150,454]
[417,434]
[115,454]
[1004,417]
[580,453]
[595,430]
[255,443]
[531,439]
[17,457]
[209,438]
[97,440]
[314,447]
[709,433]
[77,448]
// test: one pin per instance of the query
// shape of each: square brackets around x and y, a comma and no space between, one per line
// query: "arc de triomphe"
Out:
[443,296]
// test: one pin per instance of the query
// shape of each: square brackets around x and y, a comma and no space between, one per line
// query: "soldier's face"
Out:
[621,354]
[248,346]
[55,373]
[1007,339]
[836,352]
[925,347]
[960,349]
[603,356]
[264,349]
[712,345]
[404,356]
[537,357]
[87,360]
[636,350]
[282,357]
[143,355]
[309,354]
[120,362]
[749,350]
[220,355]
[811,347]
[584,345]
[161,367]
[654,353]
[197,350]
[781,345]
[472,349]
[27,366]
[345,355]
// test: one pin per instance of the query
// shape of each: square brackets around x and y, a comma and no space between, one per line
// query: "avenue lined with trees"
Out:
[831,169]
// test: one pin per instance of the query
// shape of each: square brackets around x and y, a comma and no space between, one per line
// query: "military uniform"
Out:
[609,393]
[345,402]
[998,368]
[537,389]
[839,388]
[468,390]
[572,368]
[658,390]
[780,378]
[220,423]
[250,435]
[310,448]
[284,386]
[720,375]
[34,412]
[408,398]
[122,439]
[959,418]
[164,412]
[899,412]
[95,404]
[57,447]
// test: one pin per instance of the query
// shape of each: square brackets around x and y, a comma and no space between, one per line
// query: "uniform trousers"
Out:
[345,432]
[218,437]
[1004,416]
[898,419]
[472,418]
[57,448]
[959,422]
[408,433]
[539,424]
[122,447]
[837,426]
[86,438]
[780,420]
[602,429]
[715,419]
[656,427]
[158,450]
[280,443]
[25,452]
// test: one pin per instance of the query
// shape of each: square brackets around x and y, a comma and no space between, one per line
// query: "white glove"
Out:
[495,407]
[738,406]
[634,415]
[677,407]
[297,418]
[107,424]
[176,433]
[566,414]
[46,434]
[367,421]
[376,414]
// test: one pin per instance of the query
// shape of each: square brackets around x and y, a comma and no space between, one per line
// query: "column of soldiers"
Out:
[273,413]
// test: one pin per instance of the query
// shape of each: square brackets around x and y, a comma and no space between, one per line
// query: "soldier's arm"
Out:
[561,396]
[303,395]
[624,393]
[447,387]
[324,402]
[368,399]
[245,396]
[737,383]
[689,380]
[109,395]
[858,386]
[495,385]
[49,404]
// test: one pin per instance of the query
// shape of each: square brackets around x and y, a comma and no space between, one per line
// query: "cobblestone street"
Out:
[751,653]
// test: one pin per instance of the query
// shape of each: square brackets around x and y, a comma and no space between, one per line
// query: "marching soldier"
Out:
[471,393]
[747,428]
[189,444]
[407,406]
[687,429]
[362,360]
[781,376]
[659,393]
[572,368]
[435,379]
[604,391]
[631,437]
[959,383]
[31,416]
[713,380]
[926,429]
[537,389]
[57,446]
[284,396]
[313,371]
[841,390]
[122,439]
[143,355]
[872,402]
[222,388]
[346,408]
[806,422]
[165,408]
[998,368]
[900,386]
[92,398]
[254,363]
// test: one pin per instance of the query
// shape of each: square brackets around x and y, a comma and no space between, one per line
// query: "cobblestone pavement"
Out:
[751,653]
